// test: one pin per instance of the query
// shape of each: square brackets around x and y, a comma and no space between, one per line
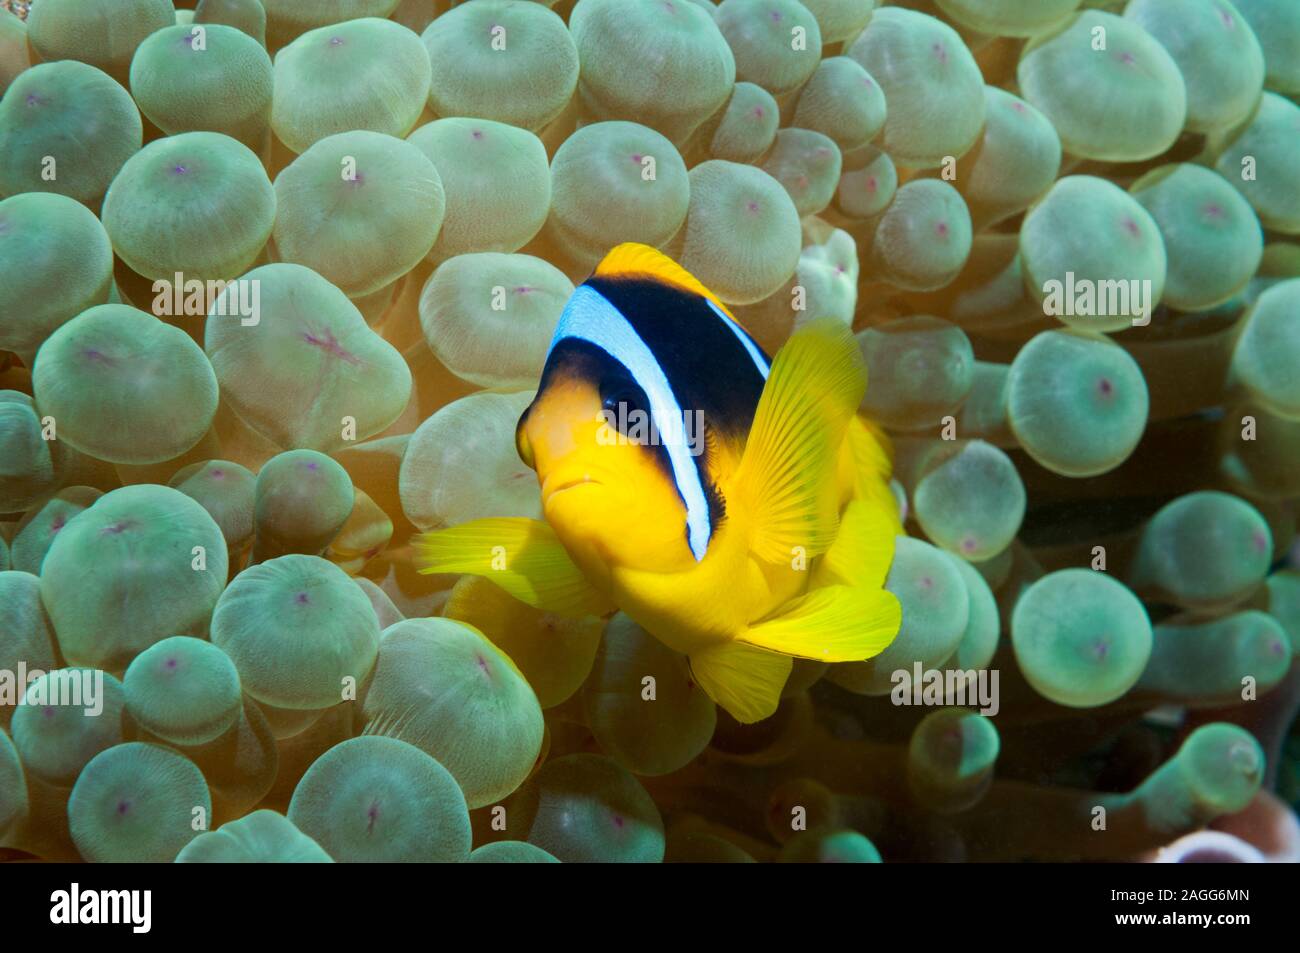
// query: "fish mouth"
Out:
[571,484]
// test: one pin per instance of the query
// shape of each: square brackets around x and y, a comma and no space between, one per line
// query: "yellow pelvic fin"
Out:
[744,680]
[787,473]
[831,624]
[632,258]
[522,556]
[864,549]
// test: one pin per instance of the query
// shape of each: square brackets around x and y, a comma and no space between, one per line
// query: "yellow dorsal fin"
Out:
[787,475]
[632,258]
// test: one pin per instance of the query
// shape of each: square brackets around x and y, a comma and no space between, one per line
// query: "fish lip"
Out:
[571,484]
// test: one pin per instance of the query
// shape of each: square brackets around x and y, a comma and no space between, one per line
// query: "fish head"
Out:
[648,388]
[607,488]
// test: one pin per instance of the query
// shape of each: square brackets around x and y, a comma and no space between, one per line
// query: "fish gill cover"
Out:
[280,278]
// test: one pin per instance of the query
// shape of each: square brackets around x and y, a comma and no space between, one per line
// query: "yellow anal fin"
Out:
[787,475]
[522,556]
[744,680]
[831,624]
[632,258]
[864,548]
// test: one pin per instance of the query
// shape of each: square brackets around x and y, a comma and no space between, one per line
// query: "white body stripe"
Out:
[590,317]
[755,354]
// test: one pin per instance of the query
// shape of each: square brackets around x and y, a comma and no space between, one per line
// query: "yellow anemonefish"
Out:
[737,509]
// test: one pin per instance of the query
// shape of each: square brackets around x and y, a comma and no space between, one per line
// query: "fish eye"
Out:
[627,399]
[624,404]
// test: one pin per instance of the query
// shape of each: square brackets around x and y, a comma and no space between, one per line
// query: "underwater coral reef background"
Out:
[278,279]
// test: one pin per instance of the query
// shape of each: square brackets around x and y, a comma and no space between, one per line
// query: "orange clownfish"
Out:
[737,509]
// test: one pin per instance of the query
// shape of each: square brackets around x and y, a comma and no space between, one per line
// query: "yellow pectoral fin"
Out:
[744,680]
[831,624]
[787,475]
[864,549]
[522,556]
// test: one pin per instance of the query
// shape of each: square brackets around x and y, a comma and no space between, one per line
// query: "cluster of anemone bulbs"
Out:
[277,278]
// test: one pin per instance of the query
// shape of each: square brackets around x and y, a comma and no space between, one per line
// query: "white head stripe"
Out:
[590,317]
[755,354]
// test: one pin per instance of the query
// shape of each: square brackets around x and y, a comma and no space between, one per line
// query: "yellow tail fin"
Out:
[873,451]
[787,473]
[522,556]
[744,680]
[864,549]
